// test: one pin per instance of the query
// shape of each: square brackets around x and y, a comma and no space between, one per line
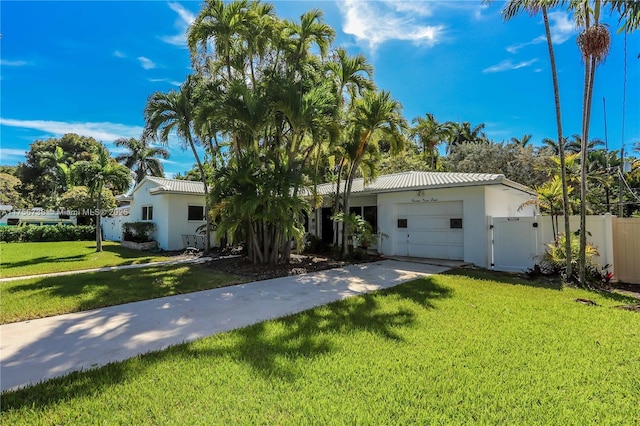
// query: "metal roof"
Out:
[422,180]
[173,186]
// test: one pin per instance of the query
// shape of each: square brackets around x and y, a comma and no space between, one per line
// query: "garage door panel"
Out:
[428,231]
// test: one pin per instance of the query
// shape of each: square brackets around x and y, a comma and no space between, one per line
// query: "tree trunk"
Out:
[207,235]
[563,170]
[98,223]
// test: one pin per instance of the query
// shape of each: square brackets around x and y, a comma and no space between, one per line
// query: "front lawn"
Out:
[41,297]
[449,349]
[22,259]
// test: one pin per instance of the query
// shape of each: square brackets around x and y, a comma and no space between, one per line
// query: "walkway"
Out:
[36,350]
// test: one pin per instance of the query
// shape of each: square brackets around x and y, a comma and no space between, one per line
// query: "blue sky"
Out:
[88,67]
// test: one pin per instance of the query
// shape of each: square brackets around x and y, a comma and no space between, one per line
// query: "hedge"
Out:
[48,233]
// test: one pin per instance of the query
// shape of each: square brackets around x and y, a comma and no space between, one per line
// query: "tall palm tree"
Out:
[141,158]
[376,115]
[513,8]
[351,76]
[101,172]
[174,112]
[430,134]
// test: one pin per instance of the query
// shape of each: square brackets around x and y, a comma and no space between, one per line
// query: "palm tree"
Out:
[513,8]
[376,115]
[218,22]
[142,158]
[174,112]
[430,134]
[101,172]
[55,165]
[524,141]
[460,133]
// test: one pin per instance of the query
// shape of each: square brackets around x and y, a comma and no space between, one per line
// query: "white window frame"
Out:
[148,208]
[195,220]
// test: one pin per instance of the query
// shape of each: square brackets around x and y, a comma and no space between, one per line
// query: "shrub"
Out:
[554,261]
[139,232]
[49,233]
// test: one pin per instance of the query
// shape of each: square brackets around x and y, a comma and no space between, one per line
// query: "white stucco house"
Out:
[419,214]
[430,214]
[175,206]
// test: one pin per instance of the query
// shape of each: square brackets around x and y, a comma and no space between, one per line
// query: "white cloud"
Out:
[562,28]
[146,63]
[185,18]
[10,156]
[6,63]
[105,132]
[374,23]
[508,65]
[166,80]
[119,54]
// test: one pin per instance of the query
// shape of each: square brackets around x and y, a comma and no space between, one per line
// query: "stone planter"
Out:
[139,246]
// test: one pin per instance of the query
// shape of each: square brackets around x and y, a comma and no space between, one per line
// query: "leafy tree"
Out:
[41,174]
[80,199]
[522,164]
[142,158]
[524,141]
[101,172]
[9,194]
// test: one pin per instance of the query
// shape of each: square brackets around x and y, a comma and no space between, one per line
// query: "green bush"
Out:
[139,232]
[49,233]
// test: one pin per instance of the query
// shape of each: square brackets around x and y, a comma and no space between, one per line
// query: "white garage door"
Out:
[432,230]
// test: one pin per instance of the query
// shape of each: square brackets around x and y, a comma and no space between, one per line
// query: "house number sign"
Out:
[424,200]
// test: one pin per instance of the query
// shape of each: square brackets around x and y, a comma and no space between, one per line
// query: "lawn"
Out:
[41,297]
[21,259]
[449,349]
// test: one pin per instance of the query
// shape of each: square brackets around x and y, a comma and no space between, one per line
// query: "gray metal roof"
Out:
[175,186]
[422,180]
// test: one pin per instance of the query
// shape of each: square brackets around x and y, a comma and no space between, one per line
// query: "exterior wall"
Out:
[142,197]
[177,206]
[501,200]
[474,223]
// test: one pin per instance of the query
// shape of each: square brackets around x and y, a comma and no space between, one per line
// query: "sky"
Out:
[88,67]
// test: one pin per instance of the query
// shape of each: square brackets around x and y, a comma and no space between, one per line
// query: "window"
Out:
[356,210]
[147,212]
[455,223]
[402,223]
[370,214]
[196,213]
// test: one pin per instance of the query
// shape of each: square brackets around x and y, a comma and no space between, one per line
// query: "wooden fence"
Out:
[626,249]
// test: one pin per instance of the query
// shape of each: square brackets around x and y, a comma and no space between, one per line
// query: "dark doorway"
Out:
[327,226]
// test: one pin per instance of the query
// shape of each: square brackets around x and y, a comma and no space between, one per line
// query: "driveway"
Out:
[36,350]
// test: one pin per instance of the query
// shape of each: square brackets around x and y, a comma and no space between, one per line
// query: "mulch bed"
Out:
[299,264]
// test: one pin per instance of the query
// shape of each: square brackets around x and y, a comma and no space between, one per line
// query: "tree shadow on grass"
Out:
[8,266]
[547,282]
[272,349]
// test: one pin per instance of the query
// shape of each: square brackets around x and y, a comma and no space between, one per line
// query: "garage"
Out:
[430,229]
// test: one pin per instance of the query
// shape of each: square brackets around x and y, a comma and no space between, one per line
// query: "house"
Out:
[430,214]
[175,206]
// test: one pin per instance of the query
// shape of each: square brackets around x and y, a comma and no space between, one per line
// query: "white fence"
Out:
[516,241]
[112,227]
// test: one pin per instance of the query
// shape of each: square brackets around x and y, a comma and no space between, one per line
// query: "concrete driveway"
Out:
[32,351]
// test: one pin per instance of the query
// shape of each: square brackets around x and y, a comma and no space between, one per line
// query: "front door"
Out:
[327,225]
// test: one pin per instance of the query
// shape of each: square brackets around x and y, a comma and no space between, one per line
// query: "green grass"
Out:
[21,259]
[41,297]
[450,349]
